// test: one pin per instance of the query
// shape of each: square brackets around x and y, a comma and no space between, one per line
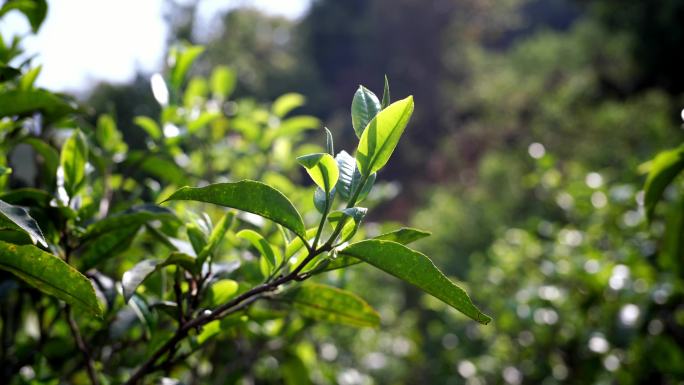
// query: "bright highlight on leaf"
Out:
[322,168]
[17,218]
[416,269]
[381,136]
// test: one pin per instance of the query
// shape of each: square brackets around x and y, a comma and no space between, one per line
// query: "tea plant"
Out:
[115,274]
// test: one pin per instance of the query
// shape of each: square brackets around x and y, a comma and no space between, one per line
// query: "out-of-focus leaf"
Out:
[108,135]
[247,195]
[132,217]
[322,169]
[8,73]
[381,136]
[183,57]
[365,106]
[20,102]
[286,103]
[141,271]
[350,178]
[404,235]
[29,78]
[100,248]
[34,10]
[223,81]
[50,275]
[149,125]
[296,124]
[663,169]
[216,236]
[50,157]
[158,166]
[221,291]
[73,160]
[18,218]
[262,245]
[203,120]
[416,269]
[326,303]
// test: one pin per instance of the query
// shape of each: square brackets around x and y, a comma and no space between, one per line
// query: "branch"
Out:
[82,347]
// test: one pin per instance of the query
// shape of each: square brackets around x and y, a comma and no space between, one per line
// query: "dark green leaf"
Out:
[404,235]
[50,275]
[326,303]
[18,218]
[73,161]
[365,106]
[19,102]
[663,169]
[247,195]
[8,73]
[416,269]
[381,136]
[329,145]
[322,169]
[100,248]
[386,94]
[133,217]
[320,200]
[34,10]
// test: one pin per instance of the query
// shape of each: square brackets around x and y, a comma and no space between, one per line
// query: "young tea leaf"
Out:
[49,274]
[216,236]
[404,235]
[386,94]
[350,178]
[330,304]
[663,169]
[73,160]
[356,214]
[322,168]
[365,106]
[381,136]
[247,195]
[416,269]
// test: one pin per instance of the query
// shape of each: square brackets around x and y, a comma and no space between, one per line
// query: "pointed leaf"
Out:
[416,269]
[327,303]
[262,245]
[381,136]
[184,57]
[73,160]
[386,94]
[365,106]
[663,169]
[50,275]
[18,218]
[404,235]
[329,145]
[320,200]
[322,168]
[216,236]
[247,195]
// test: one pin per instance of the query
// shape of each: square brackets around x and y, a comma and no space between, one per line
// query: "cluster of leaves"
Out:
[102,285]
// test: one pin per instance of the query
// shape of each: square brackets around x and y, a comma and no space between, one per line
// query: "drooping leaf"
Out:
[20,102]
[416,269]
[386,94]
[263,247]
[322,169]
[104,246]
[247,195]
[350,178]
[143,269]
[73,160]
[34,10]
[18,218]
[352,217]
[330,304]
[183,59]
[381,136]
[663,169]
[133,217]
[216,236]
[50,275]
[284,104]
[365,106]
[404,235]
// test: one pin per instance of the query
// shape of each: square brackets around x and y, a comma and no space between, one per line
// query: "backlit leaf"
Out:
[322,169]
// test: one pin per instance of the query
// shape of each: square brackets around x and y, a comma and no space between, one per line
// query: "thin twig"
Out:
[82,346]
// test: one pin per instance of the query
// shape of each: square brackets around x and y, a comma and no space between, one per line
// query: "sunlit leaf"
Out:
[663,169]
[18,218]
[184,57]
[404,235]
[50,275]
[356,214]
[381,136]
[284,104]
[73,160]
[222,81]
[262,246]
[350,178]
[416,269]
[141,271]
[322,169]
